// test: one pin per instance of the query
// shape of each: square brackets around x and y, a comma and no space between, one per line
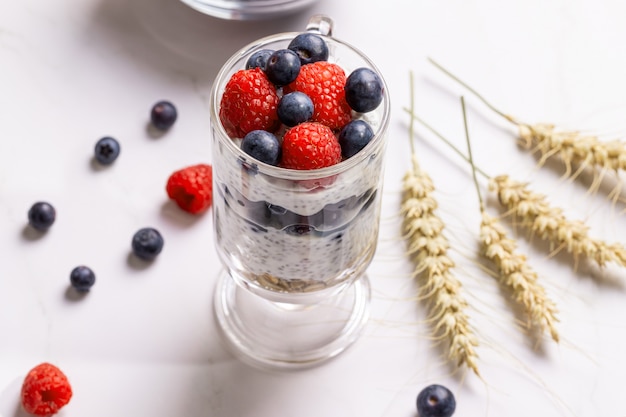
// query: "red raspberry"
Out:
[324,83]
[310,145]
[45,390]
[192,188]
[249,103]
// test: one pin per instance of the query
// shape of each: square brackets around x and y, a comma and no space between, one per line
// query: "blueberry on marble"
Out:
[259,59]
[283,67]
[435,401]
[364,90]
[82,278]
[163,115]
[147,243]
[41,216]
[295,108]
[107,150]
[309,47]
[262,146]
[354,136]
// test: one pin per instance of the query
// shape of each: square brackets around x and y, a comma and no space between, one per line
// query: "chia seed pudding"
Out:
[293,231]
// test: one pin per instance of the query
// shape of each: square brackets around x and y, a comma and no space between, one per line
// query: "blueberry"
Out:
[309,47]
[354,136]
[82,278]
[41,216]
[295,108]
[435,401]
[283,67]
[259,59]
[299,229]
[107,150]
[250,168]
[262,146]
[147,243]
[163,115]
[364,90]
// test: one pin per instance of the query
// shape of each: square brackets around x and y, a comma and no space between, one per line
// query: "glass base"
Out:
[248,9]
[285,335]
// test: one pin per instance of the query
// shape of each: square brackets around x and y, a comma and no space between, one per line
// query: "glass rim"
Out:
[287,173]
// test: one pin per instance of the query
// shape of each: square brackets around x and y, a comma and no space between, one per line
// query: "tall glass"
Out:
[294,244]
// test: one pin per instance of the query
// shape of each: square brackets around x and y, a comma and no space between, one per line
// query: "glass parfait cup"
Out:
[295,244]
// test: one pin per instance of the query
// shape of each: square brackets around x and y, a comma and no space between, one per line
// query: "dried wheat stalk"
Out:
[428,248]
[572,147]
[513,269]
[515,273]
[550,223]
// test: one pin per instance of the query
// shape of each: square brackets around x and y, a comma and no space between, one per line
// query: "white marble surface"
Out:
[143,341]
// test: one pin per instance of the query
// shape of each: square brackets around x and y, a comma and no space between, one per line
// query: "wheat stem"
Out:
[474,92]
[411,121]
[428,249]
[513,269]
[470,157]
[443,139]
[570,146]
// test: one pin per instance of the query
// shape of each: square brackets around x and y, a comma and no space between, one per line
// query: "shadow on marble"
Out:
[31,234]
[172,213]
[153,132]
[73,295]
[97,166]
[19,412]
[136,263]
[10,400]
[168,36]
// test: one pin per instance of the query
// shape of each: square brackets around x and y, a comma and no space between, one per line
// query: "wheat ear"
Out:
[428,248]
[513,269]
[551,224]
[570,146]
[573,147]
[516,274]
